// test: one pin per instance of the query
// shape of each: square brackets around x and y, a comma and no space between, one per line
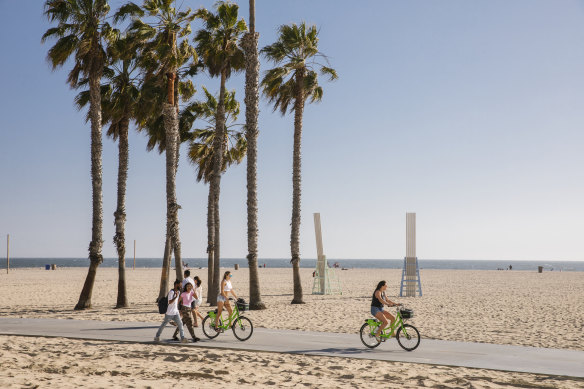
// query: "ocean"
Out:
[309,263]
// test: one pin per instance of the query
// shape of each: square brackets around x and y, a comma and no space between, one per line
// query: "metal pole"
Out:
[134,254]
[7,253]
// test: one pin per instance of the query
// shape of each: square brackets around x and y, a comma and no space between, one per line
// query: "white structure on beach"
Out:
[411,271]
[325,278]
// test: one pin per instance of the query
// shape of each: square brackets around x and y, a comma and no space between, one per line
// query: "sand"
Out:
[62,363]
[504,307]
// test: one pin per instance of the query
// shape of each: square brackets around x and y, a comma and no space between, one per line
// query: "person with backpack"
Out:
[172,312]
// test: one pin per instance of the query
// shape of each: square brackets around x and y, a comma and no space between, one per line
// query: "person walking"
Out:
[172,313]
[198,300]
[187,279]
[187,297]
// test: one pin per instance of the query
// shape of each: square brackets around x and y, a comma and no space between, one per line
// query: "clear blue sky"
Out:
[469,113]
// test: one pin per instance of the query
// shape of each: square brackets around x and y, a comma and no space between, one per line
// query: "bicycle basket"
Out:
[406,313]
[242,305]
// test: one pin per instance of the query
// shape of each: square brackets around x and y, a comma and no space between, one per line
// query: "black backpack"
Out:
[163,305]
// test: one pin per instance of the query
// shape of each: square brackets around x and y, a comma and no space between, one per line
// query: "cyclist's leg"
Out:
[389,317]
[219,310]
[381,317]
[228,307]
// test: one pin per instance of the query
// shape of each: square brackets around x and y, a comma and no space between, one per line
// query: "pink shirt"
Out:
[187,298]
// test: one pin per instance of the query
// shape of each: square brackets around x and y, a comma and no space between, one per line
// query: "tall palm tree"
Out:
[292,82]
[217,44]
[160,55]
[120,97]
[249,44]
[201,150]
[81,31]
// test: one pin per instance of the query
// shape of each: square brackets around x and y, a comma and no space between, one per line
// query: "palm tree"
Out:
[201,150]
[217,44]
[120,96]
[249,44]
[80,33]
[160,56]
[295,80]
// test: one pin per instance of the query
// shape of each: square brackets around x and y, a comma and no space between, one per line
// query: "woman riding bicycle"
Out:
[377,302]
[223,297]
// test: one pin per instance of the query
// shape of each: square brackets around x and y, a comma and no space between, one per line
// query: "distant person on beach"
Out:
[172,313]
[187,279]
[187,297]
[378,300]
[223,297]
[198,300]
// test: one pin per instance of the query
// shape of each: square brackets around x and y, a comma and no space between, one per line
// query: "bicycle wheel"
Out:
[367,336]
[242,328]
[408,337]
[209,327]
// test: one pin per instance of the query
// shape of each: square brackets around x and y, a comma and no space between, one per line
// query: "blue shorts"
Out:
[375,310]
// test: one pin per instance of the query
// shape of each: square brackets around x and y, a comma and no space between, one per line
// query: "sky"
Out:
[468,113]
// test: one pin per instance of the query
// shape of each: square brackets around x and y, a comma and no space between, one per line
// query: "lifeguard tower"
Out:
[411,271]
[326,280]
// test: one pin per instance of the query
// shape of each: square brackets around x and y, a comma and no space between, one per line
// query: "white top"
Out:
[189,280]
[227,287]
[199,292]
[172,307]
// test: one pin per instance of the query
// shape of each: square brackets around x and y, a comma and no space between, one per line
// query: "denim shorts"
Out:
[221,298]
[375,310]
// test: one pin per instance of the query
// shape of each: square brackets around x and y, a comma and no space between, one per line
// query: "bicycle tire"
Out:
[367,339]
[208,330]
[411,341]
[242,328]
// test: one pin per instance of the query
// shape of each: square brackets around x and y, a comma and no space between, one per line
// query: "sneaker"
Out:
[195,339]
[157,339]
[175,338]
[184,340]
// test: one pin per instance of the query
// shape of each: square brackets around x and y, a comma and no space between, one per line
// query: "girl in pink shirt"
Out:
[187,298]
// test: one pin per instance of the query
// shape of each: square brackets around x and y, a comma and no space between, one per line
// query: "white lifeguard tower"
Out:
[325,278]
[411,271]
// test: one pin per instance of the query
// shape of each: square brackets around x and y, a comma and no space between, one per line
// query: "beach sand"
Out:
[63,363]
[504,307]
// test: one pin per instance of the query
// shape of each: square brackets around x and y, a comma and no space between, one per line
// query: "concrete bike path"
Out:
[436,352]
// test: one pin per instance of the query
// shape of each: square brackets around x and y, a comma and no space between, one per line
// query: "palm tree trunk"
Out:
[95,246]
[252,66]
[165,271]
[120,214]
[171,130]
[296,188]
[210,240]
[216,182]
[176,239]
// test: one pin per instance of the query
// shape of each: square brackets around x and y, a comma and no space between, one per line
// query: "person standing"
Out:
[172,313]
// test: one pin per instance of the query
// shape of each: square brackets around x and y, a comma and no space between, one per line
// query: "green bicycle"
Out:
[241,325]
[407,335]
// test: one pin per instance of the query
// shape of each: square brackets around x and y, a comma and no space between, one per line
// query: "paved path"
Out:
[438,352]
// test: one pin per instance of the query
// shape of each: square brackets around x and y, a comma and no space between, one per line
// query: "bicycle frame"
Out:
[397,323]
[234,315]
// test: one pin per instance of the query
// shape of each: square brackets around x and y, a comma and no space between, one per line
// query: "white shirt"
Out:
[172,307]
[199,292]
[189,280]
[227,287]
